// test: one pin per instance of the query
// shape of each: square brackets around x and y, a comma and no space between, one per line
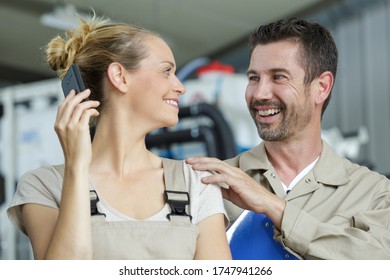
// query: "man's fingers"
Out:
[210,164]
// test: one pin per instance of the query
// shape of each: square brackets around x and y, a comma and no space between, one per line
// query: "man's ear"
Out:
[325,84]
[117,76]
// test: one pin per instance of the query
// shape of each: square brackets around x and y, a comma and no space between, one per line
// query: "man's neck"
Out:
[289,159]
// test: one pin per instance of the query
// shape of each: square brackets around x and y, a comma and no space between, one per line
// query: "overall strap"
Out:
[94,199]
[176,190]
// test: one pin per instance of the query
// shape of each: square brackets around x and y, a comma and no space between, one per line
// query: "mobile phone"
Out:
[72,80]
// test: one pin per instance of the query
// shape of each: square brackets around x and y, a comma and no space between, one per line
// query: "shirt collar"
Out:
[329,169]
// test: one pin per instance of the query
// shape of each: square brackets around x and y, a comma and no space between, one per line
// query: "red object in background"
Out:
[215,66]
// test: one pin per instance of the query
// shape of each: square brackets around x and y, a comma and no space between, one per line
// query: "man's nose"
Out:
[263,90]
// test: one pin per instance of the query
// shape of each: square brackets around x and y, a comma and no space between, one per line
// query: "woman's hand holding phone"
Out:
[72,127]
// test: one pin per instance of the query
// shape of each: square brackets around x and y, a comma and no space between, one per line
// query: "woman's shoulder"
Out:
[43,174]
[41,185]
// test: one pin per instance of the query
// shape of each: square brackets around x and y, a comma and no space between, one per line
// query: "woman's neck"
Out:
[121,150]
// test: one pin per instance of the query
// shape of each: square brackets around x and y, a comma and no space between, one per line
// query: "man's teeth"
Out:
[173,102]
[269,112]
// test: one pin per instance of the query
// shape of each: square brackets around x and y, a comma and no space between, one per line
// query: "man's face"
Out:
[278,100]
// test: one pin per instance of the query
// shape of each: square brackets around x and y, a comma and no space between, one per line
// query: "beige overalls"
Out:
[158,240]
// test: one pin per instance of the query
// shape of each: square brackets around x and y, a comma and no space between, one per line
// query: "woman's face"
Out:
[155,89]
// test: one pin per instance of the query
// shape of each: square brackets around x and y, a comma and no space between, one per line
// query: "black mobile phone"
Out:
[72,80]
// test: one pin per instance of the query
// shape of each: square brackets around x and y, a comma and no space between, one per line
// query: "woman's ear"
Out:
[325,84]
[117,76]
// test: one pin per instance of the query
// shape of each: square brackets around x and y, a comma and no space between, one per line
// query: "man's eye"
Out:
[278,77]
[167,71]
[253,78]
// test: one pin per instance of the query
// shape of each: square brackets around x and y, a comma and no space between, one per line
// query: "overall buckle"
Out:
[94,199]
[178,202]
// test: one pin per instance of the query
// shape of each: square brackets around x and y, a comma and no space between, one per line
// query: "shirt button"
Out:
[287,256]
[266,224]
[307,181]
[273,175]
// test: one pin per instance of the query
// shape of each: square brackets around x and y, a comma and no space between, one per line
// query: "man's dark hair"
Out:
[318,49]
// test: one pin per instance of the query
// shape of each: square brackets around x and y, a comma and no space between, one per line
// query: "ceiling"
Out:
[193,28]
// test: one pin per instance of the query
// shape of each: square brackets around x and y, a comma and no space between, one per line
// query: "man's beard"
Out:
[294,119]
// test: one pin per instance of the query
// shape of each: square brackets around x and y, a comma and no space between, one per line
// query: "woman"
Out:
[114,199]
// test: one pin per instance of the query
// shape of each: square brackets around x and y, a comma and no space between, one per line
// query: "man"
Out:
[322,206]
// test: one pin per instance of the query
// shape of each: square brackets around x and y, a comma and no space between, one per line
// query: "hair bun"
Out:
[61,52]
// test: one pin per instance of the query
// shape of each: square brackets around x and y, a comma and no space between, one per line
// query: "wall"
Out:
[361,96]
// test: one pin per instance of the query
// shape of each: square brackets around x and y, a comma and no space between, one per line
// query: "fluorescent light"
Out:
[62,17]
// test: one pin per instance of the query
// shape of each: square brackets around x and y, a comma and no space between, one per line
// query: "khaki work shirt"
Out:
[339,210]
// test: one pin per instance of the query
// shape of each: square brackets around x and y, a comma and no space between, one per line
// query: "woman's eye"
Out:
[167,71]
[253,78]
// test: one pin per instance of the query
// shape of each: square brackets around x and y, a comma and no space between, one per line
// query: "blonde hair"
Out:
[93,46]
